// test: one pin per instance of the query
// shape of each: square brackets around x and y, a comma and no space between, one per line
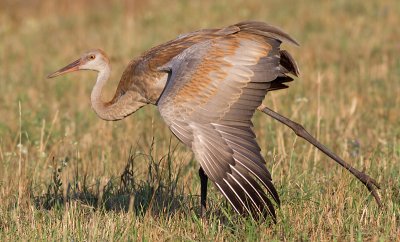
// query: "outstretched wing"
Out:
[212,92]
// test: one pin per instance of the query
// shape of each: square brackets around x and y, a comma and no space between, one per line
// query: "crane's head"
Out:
[95,60]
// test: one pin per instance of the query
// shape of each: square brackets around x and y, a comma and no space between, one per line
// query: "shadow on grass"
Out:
[158,194]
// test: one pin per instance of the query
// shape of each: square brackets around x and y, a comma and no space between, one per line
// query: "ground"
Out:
[67,175]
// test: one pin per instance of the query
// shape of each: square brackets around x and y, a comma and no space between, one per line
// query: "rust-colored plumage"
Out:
[207,85]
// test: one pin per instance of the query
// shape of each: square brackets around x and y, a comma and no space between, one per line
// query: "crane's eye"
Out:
[91,57]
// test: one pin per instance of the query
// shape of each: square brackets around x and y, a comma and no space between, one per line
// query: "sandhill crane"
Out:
[207,85]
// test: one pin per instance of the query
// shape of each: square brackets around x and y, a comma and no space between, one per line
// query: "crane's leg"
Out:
[369,182]
[203,194]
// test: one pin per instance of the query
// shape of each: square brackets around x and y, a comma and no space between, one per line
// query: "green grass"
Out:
[67,175]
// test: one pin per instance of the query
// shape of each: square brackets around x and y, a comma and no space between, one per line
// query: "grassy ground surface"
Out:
[67,175]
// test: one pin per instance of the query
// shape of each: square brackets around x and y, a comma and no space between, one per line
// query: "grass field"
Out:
[67,175]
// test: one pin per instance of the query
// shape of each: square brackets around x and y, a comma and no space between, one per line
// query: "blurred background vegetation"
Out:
[54,150]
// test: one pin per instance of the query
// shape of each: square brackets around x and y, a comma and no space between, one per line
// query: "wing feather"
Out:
[213,90]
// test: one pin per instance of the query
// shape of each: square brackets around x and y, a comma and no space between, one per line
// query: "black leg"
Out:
[203,194]
[369,182]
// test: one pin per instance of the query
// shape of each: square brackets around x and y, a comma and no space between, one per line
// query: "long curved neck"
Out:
[118,108]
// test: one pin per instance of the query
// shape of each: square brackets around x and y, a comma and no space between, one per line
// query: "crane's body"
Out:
[207,85]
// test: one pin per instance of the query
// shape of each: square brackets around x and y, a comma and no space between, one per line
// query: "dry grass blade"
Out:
[81,195]
[299,130]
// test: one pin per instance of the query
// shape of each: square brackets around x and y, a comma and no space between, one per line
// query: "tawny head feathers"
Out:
[95,60]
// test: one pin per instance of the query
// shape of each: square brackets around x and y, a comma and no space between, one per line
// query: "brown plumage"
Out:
[207,85]
[229,76]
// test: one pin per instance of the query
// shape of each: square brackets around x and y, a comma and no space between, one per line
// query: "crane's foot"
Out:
[371,184]
[202,211]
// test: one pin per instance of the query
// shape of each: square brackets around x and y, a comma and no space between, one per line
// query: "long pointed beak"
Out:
[74,66]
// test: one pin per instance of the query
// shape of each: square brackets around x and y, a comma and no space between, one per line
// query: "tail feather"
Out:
[288,66]
[288,62]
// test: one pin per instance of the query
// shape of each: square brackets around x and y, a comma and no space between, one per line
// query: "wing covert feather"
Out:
[212,92]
